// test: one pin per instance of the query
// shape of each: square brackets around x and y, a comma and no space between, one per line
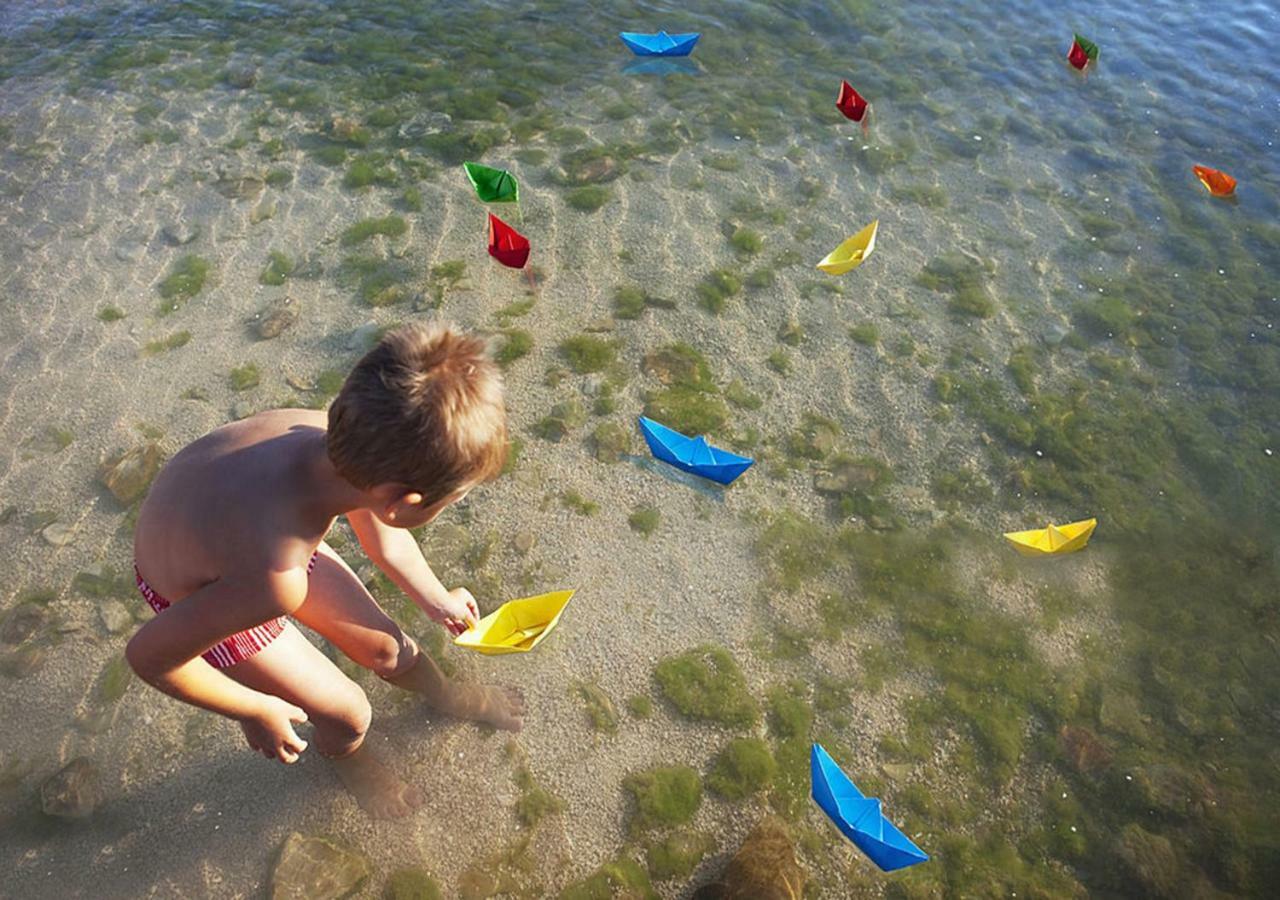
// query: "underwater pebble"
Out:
[74,792]
[58,534]
[242,75]
[181,233]
[115,616]
[129,475]
[764,866]
[278,318]
[263,211]
[129,251]
[314,868]
[364,337]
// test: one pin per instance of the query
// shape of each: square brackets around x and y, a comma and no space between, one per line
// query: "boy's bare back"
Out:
[233,502]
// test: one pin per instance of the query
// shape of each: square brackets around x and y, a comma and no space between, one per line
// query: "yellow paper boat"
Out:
[852,253]
[1054,540]
[516,626]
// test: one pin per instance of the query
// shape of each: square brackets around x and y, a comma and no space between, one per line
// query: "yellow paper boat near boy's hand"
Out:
[852,253]
[516,626]
[1054,540]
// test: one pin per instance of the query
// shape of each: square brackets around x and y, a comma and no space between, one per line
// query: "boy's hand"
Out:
[458,612]
[270,730]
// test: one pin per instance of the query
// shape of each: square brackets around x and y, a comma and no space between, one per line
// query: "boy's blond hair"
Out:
[424,409]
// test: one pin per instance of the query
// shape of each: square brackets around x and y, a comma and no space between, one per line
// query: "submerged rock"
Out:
[1152,862]
[764,868]
[74,792]
[21,623]
[59,534]
[241,75]
[278,318]
[129,475]
[181,233]
[115,616]
[847,475]
[314,868]
[1083,749]
[244,187]
[524,541]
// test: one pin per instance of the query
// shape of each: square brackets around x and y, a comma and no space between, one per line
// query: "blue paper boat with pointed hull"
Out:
[693,454]
[859,818]
[660,44]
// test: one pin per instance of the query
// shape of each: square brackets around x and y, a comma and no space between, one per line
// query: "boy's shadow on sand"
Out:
[228,811]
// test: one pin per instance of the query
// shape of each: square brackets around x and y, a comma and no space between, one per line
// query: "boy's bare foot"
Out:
[488,704]
[377,789]
[501,707]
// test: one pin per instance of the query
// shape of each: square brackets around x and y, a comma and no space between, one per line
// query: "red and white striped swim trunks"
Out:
[237,648]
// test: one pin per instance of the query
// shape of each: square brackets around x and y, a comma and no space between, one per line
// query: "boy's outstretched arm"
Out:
[395,551]
[165,652]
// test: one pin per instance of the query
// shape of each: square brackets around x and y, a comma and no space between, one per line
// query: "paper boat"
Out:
[850,102]
[1220,184]
[852,253]
[492,185]
[693,454]
[1054,540]
[516,626]
[1082,52]
[506,245]
[859,818]
[660,44]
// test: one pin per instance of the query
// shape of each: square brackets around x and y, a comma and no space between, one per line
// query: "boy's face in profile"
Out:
[406,510]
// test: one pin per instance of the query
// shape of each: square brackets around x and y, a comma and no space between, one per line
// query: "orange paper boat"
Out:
[1220,184]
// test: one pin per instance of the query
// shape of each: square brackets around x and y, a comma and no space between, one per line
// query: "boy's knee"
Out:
[340,731]
[392,654]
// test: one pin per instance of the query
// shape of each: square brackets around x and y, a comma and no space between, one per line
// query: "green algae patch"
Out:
[644,520]
[279,267]
[388,226]
[866,334]
[705,683]
[622,878]
[412,884]
[110,313]
[789,716]
[747,241]
[579,504]
[586,353]
[185,280]
[598,706]
[245,377]
[516,344]
[678,854]
[588,198]
[743,768]
[716,288]
[963,277]
[664,796]
[167,343]
[640,706]
[687,410]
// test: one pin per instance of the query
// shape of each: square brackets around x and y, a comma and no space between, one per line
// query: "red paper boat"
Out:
[506,245]
[850,102]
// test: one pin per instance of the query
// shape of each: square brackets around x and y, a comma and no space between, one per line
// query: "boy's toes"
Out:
[414,797]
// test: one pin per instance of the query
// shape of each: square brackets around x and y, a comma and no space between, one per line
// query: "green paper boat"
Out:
[492,185]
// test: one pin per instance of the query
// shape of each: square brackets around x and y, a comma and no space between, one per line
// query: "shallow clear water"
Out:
[1058,322]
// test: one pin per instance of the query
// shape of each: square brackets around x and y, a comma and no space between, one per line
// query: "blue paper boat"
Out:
[660,44]
[858,817]
[693,454]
